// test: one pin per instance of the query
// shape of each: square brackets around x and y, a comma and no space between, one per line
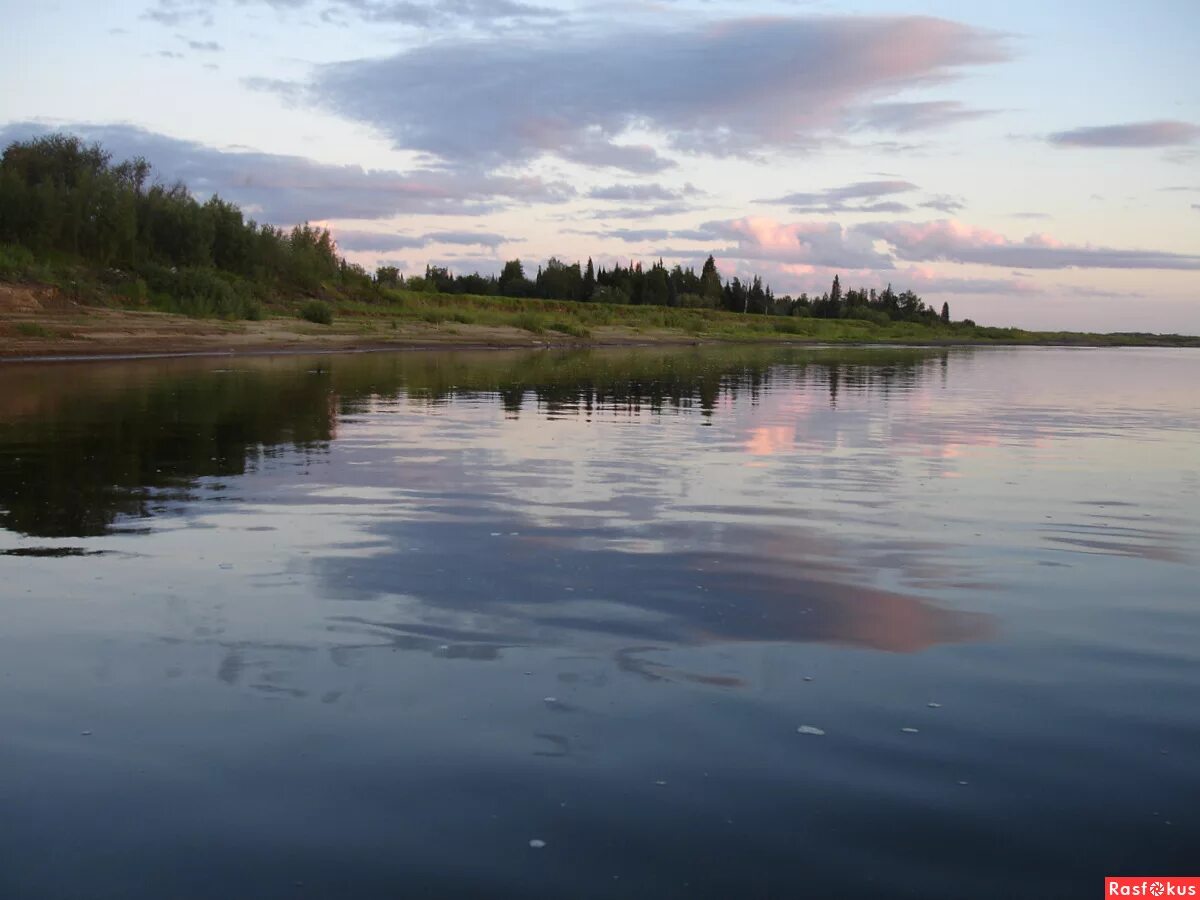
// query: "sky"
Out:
[1033,164]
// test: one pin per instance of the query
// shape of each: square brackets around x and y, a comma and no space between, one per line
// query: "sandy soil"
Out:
[36,321]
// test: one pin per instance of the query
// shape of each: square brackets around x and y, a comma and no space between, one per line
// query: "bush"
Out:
[199,292]
[317,311]
[15,261]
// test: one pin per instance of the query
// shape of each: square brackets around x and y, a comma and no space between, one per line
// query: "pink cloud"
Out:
[949,240]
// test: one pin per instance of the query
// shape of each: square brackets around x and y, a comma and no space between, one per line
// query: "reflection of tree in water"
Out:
[81,446]
[92,454]
[631,381]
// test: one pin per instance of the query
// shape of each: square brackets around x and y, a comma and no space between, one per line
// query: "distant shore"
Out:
[38,322]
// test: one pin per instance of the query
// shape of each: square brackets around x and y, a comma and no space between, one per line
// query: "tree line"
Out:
[65,202]
[675,286]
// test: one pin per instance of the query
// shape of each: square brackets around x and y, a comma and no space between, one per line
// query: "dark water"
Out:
[366,626]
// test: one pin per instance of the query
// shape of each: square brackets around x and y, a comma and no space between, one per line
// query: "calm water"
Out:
[366,626]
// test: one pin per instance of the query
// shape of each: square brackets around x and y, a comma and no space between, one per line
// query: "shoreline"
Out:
[74,333]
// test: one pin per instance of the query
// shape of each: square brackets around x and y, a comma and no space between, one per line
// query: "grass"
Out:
[208,294]
[393,308]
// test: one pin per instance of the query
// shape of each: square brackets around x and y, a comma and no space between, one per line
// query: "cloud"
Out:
[636,235]
[366,241]
[944,203]
[640,235]
[416,13]
[640,193]
[806,243]
[350,239]
[442,12]
[951,241]
[288,189]
[881,246]
[927,281]
[179,12]
[846,197]
[1162,133]
[887,207]
[924,116]
[638,212]
[205,46]
[292,93]
[734,86]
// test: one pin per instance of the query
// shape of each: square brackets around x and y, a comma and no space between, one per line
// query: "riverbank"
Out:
[39,321]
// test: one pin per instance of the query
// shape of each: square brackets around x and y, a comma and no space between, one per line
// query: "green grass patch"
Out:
[34,330]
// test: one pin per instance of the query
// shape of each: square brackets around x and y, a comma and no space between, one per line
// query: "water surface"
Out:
[367,625]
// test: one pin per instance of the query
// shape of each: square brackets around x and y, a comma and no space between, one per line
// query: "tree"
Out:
[656,291]
[513,282]
[558,281]
[945,313]
[387,276]
[710,281]
[589,280]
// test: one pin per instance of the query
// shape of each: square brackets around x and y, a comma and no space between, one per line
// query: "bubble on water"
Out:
[537,843]
[934,705]
[809,729]
[661,783]
[910,730]
[549,699]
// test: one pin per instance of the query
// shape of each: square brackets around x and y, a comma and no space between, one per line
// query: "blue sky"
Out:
[1031,163]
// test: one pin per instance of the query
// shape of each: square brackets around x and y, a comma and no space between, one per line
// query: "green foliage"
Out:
[387,276]
[15,261]
[202,292]
[66,201]
[104,231]
[317,311]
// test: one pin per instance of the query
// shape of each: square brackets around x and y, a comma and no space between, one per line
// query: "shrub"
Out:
[15,261]
[317,311]
[200,292]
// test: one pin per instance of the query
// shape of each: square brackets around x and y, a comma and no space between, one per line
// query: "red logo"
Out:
[1151,886]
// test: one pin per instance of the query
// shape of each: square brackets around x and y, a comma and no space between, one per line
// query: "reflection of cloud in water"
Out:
[568,587]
